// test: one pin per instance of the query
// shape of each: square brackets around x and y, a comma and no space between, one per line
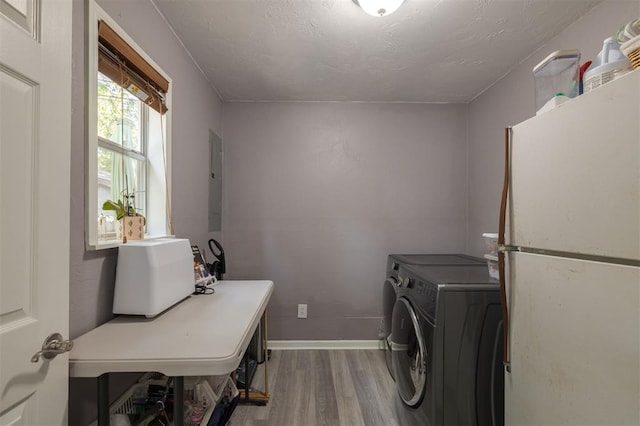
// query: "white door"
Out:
[35,111]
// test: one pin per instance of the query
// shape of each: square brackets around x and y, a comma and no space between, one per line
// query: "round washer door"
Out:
[409,356]
[389,295]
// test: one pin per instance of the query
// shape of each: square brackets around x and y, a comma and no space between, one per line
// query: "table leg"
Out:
[246,376]
[265,347]
[178,401]
[103,400]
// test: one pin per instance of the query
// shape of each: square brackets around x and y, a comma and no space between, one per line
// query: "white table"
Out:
[203,335]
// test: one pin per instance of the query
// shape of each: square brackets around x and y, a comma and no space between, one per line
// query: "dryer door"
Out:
[409,354]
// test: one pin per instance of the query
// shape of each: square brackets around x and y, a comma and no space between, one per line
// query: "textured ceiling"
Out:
[330,50]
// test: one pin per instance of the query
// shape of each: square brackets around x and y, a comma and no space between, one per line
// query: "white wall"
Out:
[511,100]
[318,194]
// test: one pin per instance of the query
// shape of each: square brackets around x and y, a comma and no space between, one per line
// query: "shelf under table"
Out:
[200,336]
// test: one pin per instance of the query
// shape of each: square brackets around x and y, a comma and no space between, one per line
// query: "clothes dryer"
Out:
[390,286]
[446,344]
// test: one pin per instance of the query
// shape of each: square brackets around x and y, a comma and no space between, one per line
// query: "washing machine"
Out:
[391,285]
[446,344]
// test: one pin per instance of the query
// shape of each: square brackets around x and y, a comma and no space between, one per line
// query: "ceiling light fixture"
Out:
[379,8]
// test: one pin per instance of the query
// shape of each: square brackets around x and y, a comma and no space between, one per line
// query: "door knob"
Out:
[52,347]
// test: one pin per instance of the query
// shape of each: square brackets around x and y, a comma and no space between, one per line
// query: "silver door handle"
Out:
[53,346]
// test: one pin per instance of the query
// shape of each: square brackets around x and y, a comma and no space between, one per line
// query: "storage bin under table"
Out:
[203,335]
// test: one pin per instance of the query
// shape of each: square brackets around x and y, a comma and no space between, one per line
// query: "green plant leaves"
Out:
[117,206]
[121,210]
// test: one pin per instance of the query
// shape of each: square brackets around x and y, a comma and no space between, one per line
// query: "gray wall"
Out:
[511,100]
[318,194]
[196,109]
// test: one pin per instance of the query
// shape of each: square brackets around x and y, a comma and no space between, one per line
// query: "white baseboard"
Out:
[283,345]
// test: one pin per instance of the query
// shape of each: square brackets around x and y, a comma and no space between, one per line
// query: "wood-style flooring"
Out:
[322,387]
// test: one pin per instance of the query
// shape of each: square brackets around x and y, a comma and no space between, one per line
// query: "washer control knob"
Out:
[408,282]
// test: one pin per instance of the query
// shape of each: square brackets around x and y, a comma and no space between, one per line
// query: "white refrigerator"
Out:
[573,277]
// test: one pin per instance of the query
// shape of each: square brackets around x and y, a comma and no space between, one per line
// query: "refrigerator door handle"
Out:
[501,242]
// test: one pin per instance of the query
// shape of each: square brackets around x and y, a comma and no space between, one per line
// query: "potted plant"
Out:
[130,222]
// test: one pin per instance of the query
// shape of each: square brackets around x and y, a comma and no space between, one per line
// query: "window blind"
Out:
[126,67]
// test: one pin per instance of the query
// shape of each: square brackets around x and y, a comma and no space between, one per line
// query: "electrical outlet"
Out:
[302,310]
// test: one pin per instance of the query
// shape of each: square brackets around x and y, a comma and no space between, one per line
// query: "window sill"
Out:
[108,244]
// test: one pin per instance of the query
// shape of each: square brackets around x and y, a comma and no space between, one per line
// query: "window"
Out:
[121,151]
[128,103]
